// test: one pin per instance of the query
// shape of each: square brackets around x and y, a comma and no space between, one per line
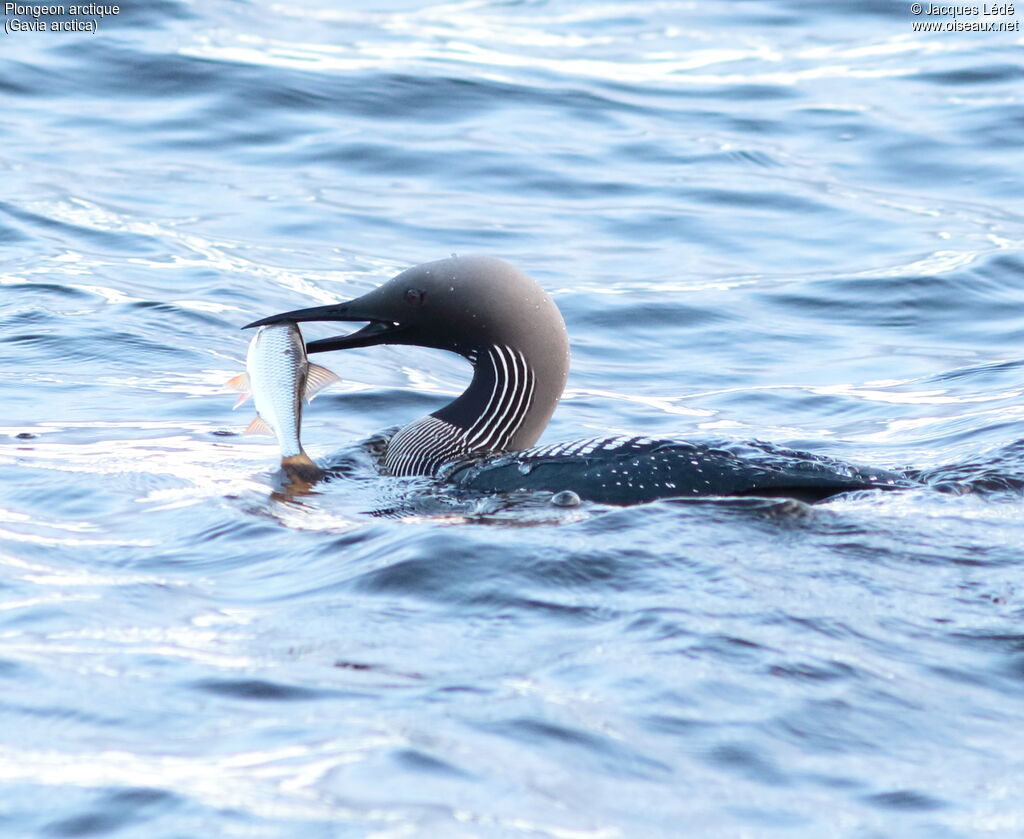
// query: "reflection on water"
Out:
[784,220]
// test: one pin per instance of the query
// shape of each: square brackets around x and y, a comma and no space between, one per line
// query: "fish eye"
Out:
[415,296]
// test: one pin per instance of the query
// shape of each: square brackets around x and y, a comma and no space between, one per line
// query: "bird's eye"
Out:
[414,296]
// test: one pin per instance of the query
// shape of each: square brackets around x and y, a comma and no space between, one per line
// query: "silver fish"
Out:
[278,375]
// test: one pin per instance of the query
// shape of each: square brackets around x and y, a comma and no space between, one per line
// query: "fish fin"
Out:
[258,426]
[301,466]
[317,378]
[239,382]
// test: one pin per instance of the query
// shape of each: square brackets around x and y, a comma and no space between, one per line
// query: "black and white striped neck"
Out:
[496,412]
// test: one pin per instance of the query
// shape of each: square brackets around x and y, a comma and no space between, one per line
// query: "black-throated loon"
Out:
[512,333]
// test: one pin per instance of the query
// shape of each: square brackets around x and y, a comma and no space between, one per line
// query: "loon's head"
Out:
[479,307]
[462,304]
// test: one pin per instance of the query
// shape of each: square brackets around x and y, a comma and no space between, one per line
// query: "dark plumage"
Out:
[514,336]
[633,470]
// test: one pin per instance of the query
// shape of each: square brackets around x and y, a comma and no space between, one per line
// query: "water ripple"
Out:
[781,220]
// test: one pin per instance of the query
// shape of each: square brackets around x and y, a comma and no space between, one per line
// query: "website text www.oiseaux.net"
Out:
[966,25]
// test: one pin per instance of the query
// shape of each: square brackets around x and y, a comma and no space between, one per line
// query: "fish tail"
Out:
[301,466]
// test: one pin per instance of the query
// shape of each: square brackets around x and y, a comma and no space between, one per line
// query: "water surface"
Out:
[777,219]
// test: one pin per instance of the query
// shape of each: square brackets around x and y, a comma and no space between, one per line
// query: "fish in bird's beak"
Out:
[278,376]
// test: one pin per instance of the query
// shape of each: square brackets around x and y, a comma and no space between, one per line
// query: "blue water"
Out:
[789,220]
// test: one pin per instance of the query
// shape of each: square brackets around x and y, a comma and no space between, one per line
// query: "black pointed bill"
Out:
[336,311]
[377,331]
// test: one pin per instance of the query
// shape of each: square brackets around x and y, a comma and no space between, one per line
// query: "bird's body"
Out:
[514,336]
[633,470]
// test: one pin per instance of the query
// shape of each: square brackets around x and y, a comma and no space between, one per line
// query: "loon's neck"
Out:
[505,408]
